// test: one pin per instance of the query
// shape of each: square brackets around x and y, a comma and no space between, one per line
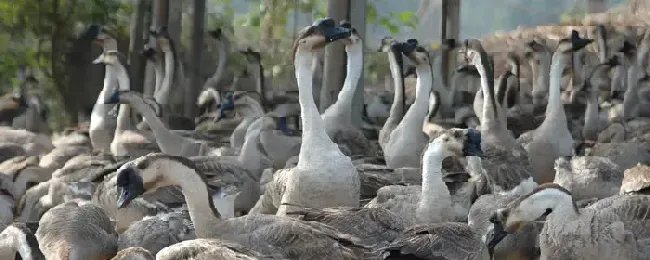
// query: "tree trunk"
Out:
[334,71]
[178,90]
[197,47]
[136,61]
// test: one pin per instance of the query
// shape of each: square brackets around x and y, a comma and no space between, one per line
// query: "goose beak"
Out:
[472,145]
[408,47]
[129,186]
[148,52]
[113,98]
[99,60]
[496,235]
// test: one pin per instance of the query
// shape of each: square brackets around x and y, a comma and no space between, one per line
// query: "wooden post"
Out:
[136,61]
[178,90]
[197,47]
[334,69]
[158,18]
[357,16]
[450,29]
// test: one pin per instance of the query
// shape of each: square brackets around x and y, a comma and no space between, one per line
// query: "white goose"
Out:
[407,141]
[324,176]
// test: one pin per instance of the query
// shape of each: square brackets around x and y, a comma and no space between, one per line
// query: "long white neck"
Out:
[162,94]
[342,110]
[435,200]
[590,130]
[160,132]
[397,108]
[543,71]
[250,156]
[313,132]
[199,203]
[563,208]
[445,94]
[15,240]
[631,96]
[416,114]
[159,70]
[124,115]
[489,120]
[554,108]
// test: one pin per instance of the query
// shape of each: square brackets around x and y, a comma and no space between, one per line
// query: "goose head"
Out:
[455,142]
[415,53]
[151,172]
[573,43]
[538,204]
[126,96]
[475,53]
[387,44]
[96,33]
[317,35]
[353,41]
[107,58]
[532,47]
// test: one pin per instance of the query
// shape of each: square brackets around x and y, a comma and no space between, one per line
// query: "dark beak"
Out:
[328,28]
[113,98]
[408,47]
[578,43]
[472,145]
[148,52]
[496,235]
[129,187]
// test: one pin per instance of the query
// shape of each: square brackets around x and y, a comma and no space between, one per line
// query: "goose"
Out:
[407,139]
[17,239]
[10,150]
[553,139]
[250,110]
[24,172]
[127,142]
[505,165]
[153,233]
[133,253]
[588,177]
[168,141]
[319,157]
[397,108]
[102,126]
[277,146]
[636,180]
[12,105]
[223,46]
[514,246]
[33,143]
[73,231]
[209,249]
[172,73]
[438,241]
[266,234]
[34,118]
[568,233]
[431,202]
[337,118]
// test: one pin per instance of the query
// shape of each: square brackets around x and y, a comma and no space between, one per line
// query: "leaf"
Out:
[394,29]
[371,13]
[406,17]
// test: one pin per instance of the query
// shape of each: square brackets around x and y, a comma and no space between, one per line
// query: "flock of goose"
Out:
[556,168]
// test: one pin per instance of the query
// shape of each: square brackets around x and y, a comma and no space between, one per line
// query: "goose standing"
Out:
[324,176]
[102,126]
[337,118]
[407,139]
[553,139]
[128,141]
[505,166]
[397,108]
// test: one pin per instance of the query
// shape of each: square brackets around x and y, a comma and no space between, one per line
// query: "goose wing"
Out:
[373,226]
[633,210]
[214,249]
[442,241]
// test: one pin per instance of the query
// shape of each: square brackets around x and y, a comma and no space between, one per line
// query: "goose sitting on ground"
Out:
[588,177]
[324,176]
[73,231]
[431,202]
[154,233]
[568,233]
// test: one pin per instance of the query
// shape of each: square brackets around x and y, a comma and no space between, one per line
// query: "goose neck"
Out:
[20,241]
[308,111]
[199,202]
[162,95]
[395,63]
[631,97]
[489,119]
[124,82]
[423,83]
[544,71]
[554,106]
[159,130]
[159,70]
[564,210]
[434,192]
